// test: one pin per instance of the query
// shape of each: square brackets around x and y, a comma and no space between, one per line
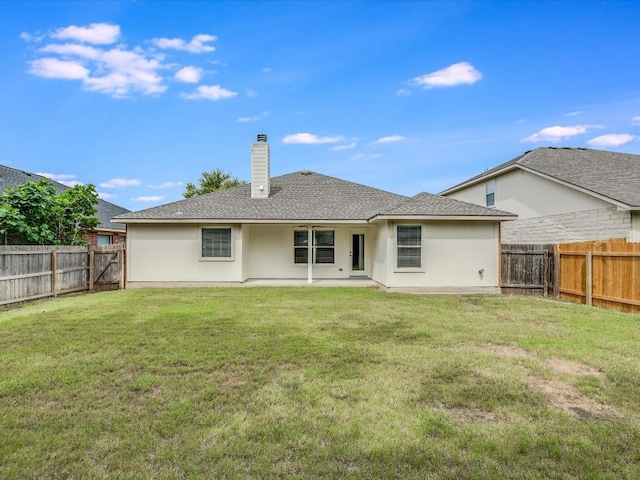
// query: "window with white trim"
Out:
[409,246]
[323,246]
[216,243]
[491,192]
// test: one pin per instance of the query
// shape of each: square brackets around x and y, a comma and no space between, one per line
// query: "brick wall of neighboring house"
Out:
[92,237]
[569,227]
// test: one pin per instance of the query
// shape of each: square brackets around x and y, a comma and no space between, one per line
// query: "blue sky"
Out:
[140,97]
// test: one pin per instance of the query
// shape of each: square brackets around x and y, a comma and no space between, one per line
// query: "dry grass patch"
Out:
[561,394]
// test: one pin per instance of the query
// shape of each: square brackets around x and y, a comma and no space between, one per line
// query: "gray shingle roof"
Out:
[11,178]
[610,174]
[434,205]
[300,196]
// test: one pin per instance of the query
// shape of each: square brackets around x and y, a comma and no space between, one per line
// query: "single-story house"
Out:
[561,195]
[107,232]
[305,225]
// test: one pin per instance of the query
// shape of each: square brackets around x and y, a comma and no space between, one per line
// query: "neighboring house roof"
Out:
[302,196]
[612,175]
[11,178]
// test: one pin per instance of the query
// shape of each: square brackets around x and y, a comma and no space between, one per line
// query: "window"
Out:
[216,243]
[323,246]
[409,241]
[491,192]
[105,239]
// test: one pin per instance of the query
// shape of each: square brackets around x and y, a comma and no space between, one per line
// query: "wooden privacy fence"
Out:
[31,272]
[602,273]
[527,269]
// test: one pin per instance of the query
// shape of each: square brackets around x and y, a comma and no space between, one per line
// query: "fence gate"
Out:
[108,268]
[527,269]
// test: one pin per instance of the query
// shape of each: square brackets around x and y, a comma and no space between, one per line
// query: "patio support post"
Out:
[310,254]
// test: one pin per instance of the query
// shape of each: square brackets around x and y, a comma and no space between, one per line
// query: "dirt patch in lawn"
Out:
[472,415]
[561,394]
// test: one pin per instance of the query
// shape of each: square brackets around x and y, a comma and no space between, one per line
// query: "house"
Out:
[309,226]
[105,233]
[561,195]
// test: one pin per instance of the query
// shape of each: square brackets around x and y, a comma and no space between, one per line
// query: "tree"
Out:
[211,182]
[32,213]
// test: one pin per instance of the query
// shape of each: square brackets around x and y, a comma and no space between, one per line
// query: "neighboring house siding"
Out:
[587,225]
[529,195]
[635,227]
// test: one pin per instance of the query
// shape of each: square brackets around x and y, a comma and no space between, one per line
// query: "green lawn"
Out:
[317,383]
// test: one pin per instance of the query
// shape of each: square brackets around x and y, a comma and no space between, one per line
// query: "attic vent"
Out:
[305,172]
[262,137]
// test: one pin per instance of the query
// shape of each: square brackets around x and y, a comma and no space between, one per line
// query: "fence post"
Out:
[556,272]
[545,273]
[589,279]
[54,273]
[122,268]
[92,263]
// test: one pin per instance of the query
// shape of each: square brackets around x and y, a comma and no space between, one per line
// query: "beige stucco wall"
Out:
[529,195]
[270,251]
[453,253]
[172,253]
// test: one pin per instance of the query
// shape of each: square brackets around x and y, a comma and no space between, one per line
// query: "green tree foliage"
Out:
[32,213]
[210,182]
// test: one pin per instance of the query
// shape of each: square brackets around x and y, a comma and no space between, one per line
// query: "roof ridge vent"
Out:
[306,172]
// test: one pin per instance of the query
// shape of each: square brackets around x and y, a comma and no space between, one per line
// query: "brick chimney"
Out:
[260,167]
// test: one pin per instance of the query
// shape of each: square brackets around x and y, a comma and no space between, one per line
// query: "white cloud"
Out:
[150,198]
[266,70]
[122,72]
[61,178]
[403,91]
[612,140]
[95,33]
[166,185]
[120,183]
[348,146]
[557,133]
[54,68]
[189,74]
[255,118]
[210,92]
[456,74]
[390,139]
[636,119]
[106,196]
[196,45]
[573,114]
[73,49]
[117,71]
[27,37]
[309,139]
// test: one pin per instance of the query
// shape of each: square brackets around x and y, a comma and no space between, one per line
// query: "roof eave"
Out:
[183,221]
[477,218]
